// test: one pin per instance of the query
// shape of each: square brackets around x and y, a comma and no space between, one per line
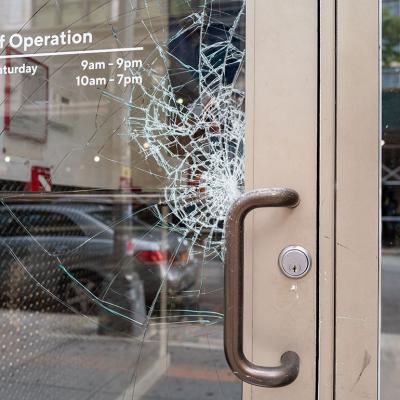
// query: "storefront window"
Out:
[121,152]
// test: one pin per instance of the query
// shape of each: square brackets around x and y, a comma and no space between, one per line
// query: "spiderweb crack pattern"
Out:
[198,143]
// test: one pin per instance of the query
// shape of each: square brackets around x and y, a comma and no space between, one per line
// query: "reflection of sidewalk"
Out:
[390,366]
[60,356]
[196,336]
[390,338]
[196,374]
[197,369]
[45,357]
[391,251]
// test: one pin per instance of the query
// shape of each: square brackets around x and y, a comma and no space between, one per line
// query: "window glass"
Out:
[28,221]
[390,300]
[122,149]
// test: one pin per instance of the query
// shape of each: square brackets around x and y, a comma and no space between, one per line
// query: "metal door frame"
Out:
[357,200]
[348,216]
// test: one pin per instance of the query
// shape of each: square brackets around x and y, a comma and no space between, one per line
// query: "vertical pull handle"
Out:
[244,369]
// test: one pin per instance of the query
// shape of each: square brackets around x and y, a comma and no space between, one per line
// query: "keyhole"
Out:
[294,261]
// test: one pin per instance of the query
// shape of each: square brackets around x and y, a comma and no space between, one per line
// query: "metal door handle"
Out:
[248,372]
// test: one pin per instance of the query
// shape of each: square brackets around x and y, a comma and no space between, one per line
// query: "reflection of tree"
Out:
[391,38]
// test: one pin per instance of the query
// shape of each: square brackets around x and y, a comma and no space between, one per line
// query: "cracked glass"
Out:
[122,149]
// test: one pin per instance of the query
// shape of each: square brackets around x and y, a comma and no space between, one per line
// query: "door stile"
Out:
[357,203]
[326,215]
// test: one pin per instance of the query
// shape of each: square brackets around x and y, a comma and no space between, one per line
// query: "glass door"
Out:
[130,132]
[121,150]
[390,328]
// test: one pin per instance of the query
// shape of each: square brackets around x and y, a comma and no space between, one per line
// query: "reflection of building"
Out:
[391,142]
[391,75]
[392,5]
[54,13]
[77,132]
[83,139]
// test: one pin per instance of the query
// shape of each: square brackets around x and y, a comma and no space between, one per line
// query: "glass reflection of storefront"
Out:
[390,283]
[390,126]
[113,168]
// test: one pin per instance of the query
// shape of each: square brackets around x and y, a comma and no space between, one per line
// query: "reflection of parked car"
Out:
[156,250]
[37,239]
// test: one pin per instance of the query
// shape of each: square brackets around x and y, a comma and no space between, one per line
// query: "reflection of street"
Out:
[390,340]
[62,356]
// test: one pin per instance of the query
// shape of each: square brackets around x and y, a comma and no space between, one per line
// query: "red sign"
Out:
[40,179]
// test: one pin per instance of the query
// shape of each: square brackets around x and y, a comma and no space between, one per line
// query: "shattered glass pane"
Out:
[122,150]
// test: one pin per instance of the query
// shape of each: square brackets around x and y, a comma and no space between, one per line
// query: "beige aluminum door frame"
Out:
[357,199]
[343,106]
[281,151]
[349,203]
[349,217]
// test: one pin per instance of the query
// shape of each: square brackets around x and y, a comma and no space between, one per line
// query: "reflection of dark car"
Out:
[69,249]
